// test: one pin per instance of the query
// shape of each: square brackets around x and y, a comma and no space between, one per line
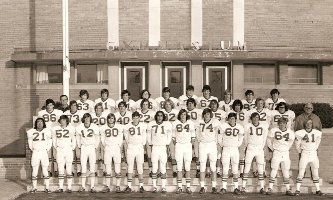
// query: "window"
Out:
[87,73]
[49,74]
[303,74]
[260,74]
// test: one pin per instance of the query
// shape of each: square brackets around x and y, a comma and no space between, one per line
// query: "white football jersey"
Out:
[207,131]
[308,140]
[220,115]
[159,134]
[231,136]
[226,106]
[111,136]
[131,105]
[182,100]
[39,140]
[248,105]
[172,115]
[281,139]
[160,102]
[87,136]
[195,114]
[51,119]
[108,104]
[265,114]
[276,115]
[101,119]
[136,134]
[183,132]
[86,107]
[152,104]
[123,118]
[270,104]
[64,137]
[242,117]
[204,103]
[74,118]
[255,136]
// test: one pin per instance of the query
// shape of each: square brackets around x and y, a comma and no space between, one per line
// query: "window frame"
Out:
[318,75]
[272,64]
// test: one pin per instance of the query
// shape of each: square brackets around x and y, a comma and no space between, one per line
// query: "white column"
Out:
[65,53]
[154,22]
[238,22]
[113,22]
[196,22]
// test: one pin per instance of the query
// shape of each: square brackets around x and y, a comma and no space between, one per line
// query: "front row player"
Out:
[64,142]
[136,138]
[87,139]
[254,140]
[40,142]
[307,143]
[280,139]
[183,137]
[112,140]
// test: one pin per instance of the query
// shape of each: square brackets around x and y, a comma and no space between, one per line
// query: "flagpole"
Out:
[65,57]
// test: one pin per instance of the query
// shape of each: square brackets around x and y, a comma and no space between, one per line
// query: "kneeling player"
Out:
[135,137]
[279,141]
[64,142]
[207,130]
[255,139]
[40,142]
[230,139]
[112,139]
[307,143]
[87,139]
[183,136]
[159,133]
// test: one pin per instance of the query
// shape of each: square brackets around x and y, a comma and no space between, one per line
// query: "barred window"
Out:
[260,74]
[303,74]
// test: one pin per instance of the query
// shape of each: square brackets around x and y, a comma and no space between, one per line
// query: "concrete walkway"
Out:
[11,189]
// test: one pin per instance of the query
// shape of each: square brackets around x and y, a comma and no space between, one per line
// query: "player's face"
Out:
[260,104]
[64,101]
[111,120]
[189,93]
[84,97]
[122,108]
[183,117]
[206,94]
[63,122]
[309,124]
[275,96]
[190,106]
[145,95]
[168,106]
[232,121]
[136,119]
[99,110]
[126,97]
[145,105]
[237,108]
[74,107]
[227,97]
[282,126]
[166,95]
[282,109]
[159,118]
[249,97]
[104,95]
[49,107]
[87,121]
[308,108]
[255,119]
[214,107]
[207,116]
[40,124]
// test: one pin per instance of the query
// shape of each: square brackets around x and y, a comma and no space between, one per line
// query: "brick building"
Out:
[149,44]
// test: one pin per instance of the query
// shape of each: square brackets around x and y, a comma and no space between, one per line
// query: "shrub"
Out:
[323,110]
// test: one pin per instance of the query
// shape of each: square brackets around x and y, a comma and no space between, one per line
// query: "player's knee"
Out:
[179,166]
[187,166]
[213,166]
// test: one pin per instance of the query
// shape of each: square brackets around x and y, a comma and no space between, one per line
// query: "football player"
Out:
[207,131]
[63,104]
[84,103]
[249,101]
[204,100]
[165,96]
[159,135]
[307,143]
[40,142]
[136,138]
[189,94]
[230,139]
[280,140]
[87,139]
[183,136]
[145,94]
[64,141]
[271,102]
[282,110]
[112,139]
[226,103]
[126,97]
[108,103]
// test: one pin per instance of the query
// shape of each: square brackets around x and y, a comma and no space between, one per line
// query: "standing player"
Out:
[282,110]
[145,94]
[271,102]
[136,138]
[189,94]
[126,97]
[204,100]
[40,142]
[183,136]
[279,141]
[307,143]
[230,139]
[84,103]
[51,117]
[249,102]
[63,104]
[254,140]
[64,142]
[226,103]
[112,139]
[108,103]
[87,139]
[165,96]
[207,131]
[159,134]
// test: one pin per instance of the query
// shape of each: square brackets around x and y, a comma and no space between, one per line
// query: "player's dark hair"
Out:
[282,120]
[247,92]
[259,99]
[83,92]
[86,115]
[227,92]
[306,121]
[48,101]
[39,118]
[237,102]
[143,91]
[205,111]
[143,101]
[274,91]
[191,100]
[164,116]
[125,92]
[166,89]
[64,117]
[206,87]
[181,112]
[212,102]
[111,115]
[282,104]
[171,102]
[63,95]
[135,114]
[105,91]
[190,87]
[253,115]
[122,103]
[232,114]
[98,104]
